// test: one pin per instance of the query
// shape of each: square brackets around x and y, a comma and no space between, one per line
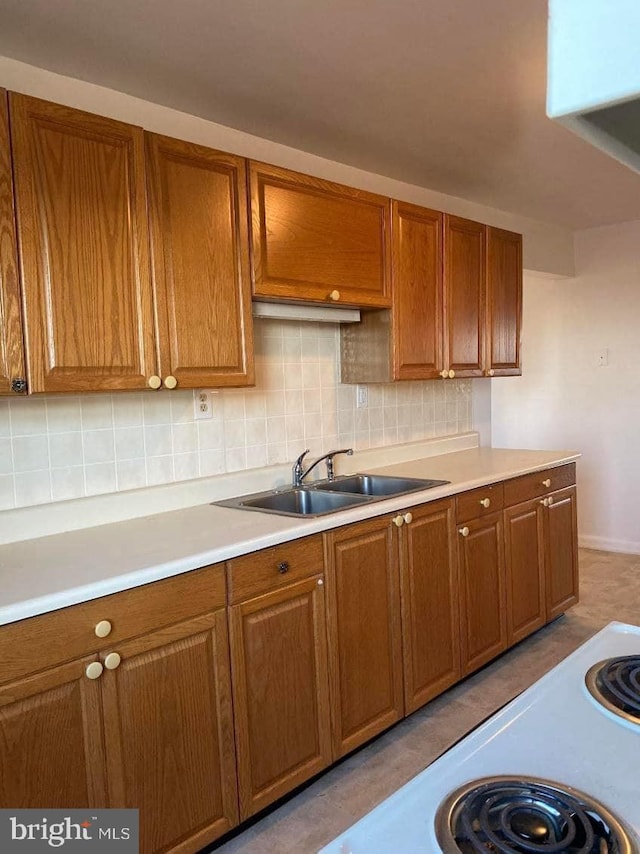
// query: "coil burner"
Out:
[615,684]
[511,815]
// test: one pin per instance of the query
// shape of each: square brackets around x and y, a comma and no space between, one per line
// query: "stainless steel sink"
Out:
[305,501]
[379,485]
[330,496]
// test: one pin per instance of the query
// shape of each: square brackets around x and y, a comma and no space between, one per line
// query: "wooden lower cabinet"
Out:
[524,558]
[280,690]
[51,740]
[429,586]
[482,591]
[561,551]
[169,734]
[365,647]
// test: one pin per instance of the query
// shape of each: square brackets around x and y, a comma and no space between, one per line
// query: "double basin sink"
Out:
[330,496]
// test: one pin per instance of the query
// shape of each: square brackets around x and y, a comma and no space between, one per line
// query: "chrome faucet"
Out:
[299,473]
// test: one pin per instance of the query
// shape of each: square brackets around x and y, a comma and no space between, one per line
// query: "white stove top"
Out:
[553,730]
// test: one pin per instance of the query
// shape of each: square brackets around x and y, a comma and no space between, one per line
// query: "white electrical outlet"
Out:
[203,404]
[362,396]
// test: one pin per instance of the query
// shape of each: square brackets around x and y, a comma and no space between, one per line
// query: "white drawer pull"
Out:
[486,502]
[408,518]
[112,661]
[464,531]
[547,482]
[398,521]
[103,629]
[94,670]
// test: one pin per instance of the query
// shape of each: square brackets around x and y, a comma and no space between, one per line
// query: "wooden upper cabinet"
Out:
[465,296]
[12,367]
[319,241]
[417,290]
[84,253]
[504,302]
[200,263]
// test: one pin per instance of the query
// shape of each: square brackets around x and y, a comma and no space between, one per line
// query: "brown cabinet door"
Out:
[482,591]
[200,259]
[84,248]
[12,367]
[504,301]
[417,292]
[561,552]
[280,691]
[169,734]
[51,740]
[315,240]
[429,584]
[365,664]
[465,296]
[524,559]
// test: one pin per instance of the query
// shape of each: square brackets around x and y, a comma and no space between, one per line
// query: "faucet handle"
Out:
[297,469]
[298,462]
[330,456]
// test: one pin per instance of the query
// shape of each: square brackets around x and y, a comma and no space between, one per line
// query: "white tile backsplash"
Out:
[68,446]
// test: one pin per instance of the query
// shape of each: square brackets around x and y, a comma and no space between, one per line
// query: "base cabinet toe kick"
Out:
[235,683]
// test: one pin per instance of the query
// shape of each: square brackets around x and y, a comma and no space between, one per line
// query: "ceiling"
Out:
[447,94]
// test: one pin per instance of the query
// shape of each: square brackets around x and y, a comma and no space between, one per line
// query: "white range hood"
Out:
[593,81]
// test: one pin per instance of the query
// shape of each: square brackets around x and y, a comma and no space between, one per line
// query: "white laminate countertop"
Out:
[54,571]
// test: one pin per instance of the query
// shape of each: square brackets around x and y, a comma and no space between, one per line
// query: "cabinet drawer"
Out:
[269,569]
[479,502]
[539,483]
[43,641]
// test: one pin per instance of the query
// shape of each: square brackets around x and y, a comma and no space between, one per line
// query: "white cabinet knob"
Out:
[398,521]
[170,382]
[112,661]
[408,518]
[490,372]
[550,501]
[94,670]
[334,295]
[320,582]
[485,502]
[464,531]
[444,374]
[452,374]
[547,482]
[154,382]
[103,629]
[545,502]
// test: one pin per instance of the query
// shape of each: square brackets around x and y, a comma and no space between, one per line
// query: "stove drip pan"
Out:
[615,684]
[511,815]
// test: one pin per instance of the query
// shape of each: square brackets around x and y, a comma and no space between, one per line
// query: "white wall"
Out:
[547,247]
[565,400]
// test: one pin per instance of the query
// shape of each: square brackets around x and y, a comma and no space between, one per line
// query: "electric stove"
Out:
[557,770]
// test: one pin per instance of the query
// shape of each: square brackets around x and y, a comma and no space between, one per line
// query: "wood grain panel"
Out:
[482,590]
[39,642]
[465,296]
[200,254]
[524,562]
[504,301]
[430,608]
[538,483]
[311,237]
[280,690]
[84,252]
[260,572]
[51,741]
[364,632]
[12,365]
[561,552]
[169,734]
[417,321]
[471,504]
